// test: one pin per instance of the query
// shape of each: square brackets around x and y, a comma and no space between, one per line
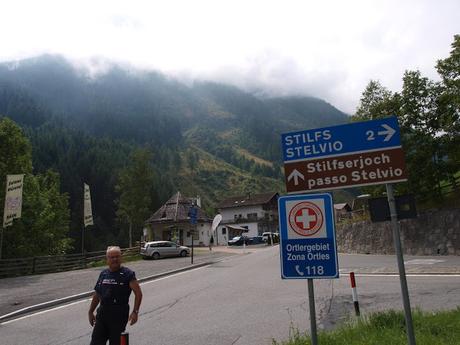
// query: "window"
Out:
[252,215]
[224,231]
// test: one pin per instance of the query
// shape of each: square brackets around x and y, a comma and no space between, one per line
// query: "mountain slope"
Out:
[207,139]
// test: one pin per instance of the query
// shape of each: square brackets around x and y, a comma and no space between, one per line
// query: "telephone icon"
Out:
[297,269]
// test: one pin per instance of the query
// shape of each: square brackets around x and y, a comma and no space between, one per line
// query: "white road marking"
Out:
[199,268]
[45,311]
[89,299]
[407,275]
[423,262]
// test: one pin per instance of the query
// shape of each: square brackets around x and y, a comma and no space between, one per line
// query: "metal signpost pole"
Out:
[311,299]
[193,234]
[1,240]
[83,239]
[350,155]
[193,218]
[402,270]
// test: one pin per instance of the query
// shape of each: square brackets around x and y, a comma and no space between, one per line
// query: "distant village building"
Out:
[342,211]
[251,215]
[172,223]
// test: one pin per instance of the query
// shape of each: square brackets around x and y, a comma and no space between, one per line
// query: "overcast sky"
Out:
[328,49]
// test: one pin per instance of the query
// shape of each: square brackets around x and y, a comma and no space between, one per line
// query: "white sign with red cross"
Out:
[308,248]
[306,219]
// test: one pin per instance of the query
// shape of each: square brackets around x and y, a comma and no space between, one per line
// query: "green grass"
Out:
[388,328]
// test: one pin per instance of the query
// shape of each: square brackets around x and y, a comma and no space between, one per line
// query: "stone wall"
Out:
[431,233]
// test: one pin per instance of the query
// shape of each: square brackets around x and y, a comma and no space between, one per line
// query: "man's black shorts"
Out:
[111,321]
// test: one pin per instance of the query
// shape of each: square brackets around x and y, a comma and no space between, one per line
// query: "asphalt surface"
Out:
[242,300]
[20,292]
[387,264]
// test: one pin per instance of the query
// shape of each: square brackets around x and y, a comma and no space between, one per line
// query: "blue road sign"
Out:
[193,214]
[307,237]
[343,139]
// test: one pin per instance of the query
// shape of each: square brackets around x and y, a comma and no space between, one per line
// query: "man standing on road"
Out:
[112,291]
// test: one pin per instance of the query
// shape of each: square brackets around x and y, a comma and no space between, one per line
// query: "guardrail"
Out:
[55,263]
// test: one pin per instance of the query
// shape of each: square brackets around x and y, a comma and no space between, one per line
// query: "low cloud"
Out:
[328,49]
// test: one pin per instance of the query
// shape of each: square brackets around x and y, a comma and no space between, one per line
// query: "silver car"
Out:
[161,249]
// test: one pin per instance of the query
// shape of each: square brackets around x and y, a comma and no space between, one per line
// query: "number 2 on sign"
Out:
[315,270]
[370,135]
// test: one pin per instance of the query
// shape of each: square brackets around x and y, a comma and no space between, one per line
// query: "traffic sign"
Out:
[342,139]
[355,154]
[307,237]
[193,214]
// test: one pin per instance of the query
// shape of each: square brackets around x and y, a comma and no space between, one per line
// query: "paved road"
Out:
[238,301]
[20,292]
[375,264]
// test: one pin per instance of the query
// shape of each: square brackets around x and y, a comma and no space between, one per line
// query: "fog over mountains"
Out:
[206,138]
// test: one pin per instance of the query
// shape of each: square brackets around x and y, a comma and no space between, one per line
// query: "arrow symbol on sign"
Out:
[295,174]
[388,132]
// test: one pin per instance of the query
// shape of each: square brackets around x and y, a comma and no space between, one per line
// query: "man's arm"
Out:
[94,302]
[134,285]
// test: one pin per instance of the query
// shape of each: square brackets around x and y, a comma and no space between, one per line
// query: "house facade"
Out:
[342,211]
[171,222]
[251,215]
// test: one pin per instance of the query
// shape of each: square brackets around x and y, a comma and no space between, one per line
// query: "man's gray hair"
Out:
[113,249]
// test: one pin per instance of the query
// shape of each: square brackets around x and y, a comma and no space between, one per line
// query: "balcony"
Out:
[252,219]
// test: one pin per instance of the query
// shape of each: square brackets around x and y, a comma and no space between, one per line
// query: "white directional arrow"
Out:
[295,174]
[388,132]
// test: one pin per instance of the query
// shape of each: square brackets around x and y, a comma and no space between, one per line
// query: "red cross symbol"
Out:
[306,218]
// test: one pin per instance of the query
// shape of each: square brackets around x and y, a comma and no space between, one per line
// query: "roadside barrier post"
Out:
[354,293]
[34,264]
[124,338]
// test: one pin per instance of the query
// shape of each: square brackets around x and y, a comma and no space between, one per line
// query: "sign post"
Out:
[351,155]
[13,203]
[401,267]
[307,243]
[1,240]
[311,304]
[193,214]
[88,216]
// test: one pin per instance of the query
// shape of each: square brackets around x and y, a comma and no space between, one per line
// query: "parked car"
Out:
[256,240]
[238,241]
[268,236]
[161,249]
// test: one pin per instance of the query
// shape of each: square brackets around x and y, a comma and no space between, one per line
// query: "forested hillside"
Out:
[205,139]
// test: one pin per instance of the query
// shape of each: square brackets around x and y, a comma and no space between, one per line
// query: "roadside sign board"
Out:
[193,213]
[307,237]
[350,155]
